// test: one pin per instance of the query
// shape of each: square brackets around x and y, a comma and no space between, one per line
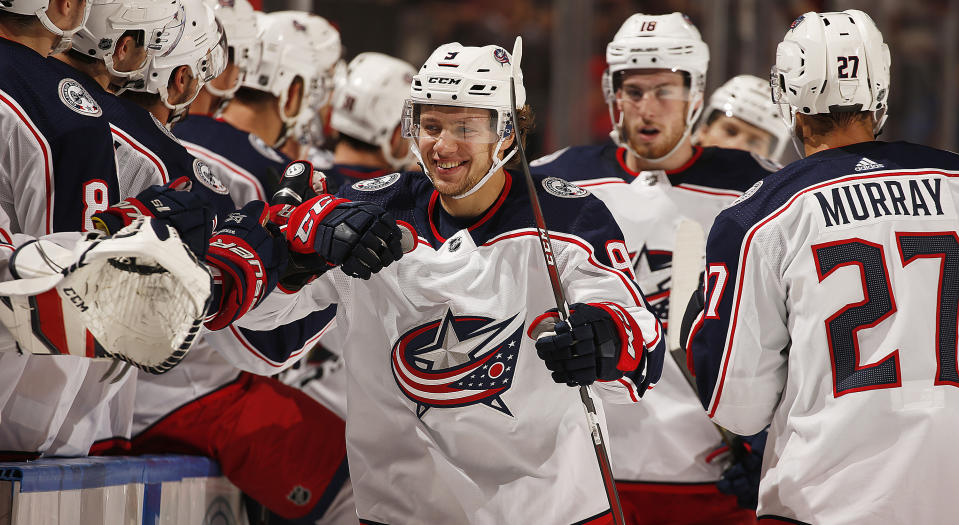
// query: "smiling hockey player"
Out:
[452,417]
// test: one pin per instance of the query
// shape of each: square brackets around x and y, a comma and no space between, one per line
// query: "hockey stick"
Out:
[599,444]
[689,256]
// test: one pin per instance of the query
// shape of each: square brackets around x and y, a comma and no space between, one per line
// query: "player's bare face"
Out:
[733,133]
[456,144]
[654,104]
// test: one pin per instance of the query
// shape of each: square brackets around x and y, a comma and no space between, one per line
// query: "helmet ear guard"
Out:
[832,62]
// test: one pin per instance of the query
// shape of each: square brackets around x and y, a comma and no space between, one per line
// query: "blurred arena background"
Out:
[565,43]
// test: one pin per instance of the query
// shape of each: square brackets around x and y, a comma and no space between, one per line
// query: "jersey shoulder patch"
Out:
[377,183]
[561,188]
[747,194]
[546,159]
[206,177]
[74,96]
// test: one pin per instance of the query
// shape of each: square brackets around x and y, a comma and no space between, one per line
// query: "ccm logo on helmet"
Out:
[443,80]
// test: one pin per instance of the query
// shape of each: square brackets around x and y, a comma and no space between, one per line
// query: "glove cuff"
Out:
[631,350]
[234,258]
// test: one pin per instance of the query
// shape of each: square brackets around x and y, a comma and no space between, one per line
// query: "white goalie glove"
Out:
[133,297]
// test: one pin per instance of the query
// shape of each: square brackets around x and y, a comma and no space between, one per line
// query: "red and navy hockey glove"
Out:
[299,182]
[360,237]
[173,204]
[248,257]
[590,346]
[741,479]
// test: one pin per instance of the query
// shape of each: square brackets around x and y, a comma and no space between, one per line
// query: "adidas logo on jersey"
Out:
[866,164]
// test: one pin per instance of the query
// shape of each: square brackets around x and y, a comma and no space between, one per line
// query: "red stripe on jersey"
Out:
[48,321]
[91,348]
[492,211]
[213,158]
[627,282]
[697,189]
[252,349]
[621,157]
[748,241]
[47,158]
[600,182]
[117,132]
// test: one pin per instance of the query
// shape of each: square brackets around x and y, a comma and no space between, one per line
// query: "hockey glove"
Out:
[587,347]
[173,204]
[360,237]
[741,479]
[249,258]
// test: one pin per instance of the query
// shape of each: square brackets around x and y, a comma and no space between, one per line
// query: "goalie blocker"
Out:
[138,296]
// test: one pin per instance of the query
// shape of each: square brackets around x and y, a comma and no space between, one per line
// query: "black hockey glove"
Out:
[360,237]
[173,204]
[741,479]
[587,347]
[250,257]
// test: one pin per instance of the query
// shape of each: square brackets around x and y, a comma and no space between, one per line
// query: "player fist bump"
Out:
[172,204]
[247,254]
[595,343]
[360,237]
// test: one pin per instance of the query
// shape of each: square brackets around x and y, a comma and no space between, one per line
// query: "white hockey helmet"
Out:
[199,44]
[473,77]
[829,63]
[746,97]
[287,54]
[38,8]
[368,104]
[656,42]
[110,19]
[327,49]
[239,23]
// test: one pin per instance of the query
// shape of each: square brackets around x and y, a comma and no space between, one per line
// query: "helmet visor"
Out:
[213,63]
[658,93]
[432,122]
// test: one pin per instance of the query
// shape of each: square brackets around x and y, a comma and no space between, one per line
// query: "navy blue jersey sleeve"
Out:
[275,350]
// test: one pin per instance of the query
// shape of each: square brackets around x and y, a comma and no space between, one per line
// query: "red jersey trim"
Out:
[213,158]
[621,157]
[252,349]
[718,391]
[47,156]
[489,213]
[142,149]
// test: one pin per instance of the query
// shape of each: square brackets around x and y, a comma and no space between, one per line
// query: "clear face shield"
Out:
[426,123]
[459,129]
[206,68]
[625,93]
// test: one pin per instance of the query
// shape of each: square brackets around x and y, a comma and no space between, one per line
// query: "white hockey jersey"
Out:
[831,313]
[666,438]
[452,417]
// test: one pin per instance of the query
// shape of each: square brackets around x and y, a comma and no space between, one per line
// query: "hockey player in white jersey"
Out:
[367,109]
[652,177]
[740,115]
[452,418]
[831,299]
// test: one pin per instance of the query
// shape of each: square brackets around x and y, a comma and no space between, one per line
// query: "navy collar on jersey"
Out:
[697,152]
[440,220]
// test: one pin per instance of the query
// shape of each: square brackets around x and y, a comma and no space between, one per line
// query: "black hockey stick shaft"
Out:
[599,444]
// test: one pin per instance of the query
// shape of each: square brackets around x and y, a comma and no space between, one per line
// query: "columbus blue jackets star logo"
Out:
[458,361]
